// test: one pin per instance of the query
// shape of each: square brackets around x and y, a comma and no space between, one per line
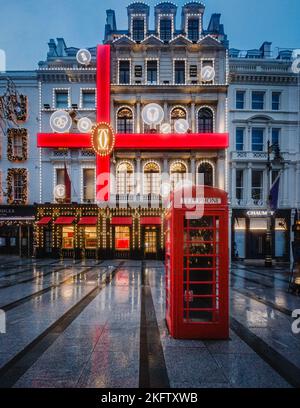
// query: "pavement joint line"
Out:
[285,368]
[32,279]
[14,369]
[25,299]
[153,371]
[252,280]
[25,264]
[27,270]
[266,302]
[261,274]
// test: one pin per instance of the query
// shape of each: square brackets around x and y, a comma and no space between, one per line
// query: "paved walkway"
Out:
[102,325]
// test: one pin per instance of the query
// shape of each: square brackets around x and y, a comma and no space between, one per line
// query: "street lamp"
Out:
[274,148]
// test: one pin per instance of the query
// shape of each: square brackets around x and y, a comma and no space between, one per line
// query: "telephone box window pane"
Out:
[68,237]
[122,238]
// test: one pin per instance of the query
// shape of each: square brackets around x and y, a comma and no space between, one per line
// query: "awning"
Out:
[64,220]
[44,221]
[150,221]
[88,221]
[121,221]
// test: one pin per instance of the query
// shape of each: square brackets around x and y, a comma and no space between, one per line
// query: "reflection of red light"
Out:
[122,244]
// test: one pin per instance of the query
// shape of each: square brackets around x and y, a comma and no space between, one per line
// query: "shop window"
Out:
[17,144]
[125,178]
[88,185]
[62,99]
[178,174]
[206,169]
[124,72]
[138,29]
[88,99]
[125,120]
[239,245]
[68,237]
[152,179]
[90,237]
[280,237]
[205,120]
[150,240]
[122,238]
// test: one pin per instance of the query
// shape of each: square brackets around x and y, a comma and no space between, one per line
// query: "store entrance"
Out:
[150,242]
[257,244]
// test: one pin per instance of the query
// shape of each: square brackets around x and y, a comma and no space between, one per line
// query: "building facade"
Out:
[264,107]
[250,94]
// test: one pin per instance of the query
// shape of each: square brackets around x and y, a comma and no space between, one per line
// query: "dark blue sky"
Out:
[27,25]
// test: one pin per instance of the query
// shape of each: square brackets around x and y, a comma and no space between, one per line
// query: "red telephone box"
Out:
[197,257]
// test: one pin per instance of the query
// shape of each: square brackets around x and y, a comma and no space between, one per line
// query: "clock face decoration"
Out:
[208,74]
[83,57]
[60,192]
[60,121]
[103,139]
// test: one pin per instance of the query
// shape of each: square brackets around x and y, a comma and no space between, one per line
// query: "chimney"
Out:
[61,47]
[52,48]
[266,49]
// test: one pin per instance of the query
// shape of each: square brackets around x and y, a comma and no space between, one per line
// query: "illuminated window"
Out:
[152,179]
[150,240]
[125,120]
[68,237]
[18,145]
[205,121]
[88,185]
[122,238]
[125,178]
[208,173]
[177,113]
[90,237]
[178,174]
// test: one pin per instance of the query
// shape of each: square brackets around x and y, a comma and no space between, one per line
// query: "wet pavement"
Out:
[102,324]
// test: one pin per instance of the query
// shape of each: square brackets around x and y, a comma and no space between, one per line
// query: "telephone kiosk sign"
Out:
[197,267]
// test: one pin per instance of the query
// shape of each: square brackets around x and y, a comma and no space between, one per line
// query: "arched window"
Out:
[151,178]
[205,120]
[207,170]
[178,173]
[177,113]
[125,120]
[125,181]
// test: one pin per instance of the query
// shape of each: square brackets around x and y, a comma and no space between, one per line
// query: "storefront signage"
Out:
[103,139]
[16,211]
[260,213]
[201,200]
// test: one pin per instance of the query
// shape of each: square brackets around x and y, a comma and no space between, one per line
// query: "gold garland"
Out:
[11,134]
[10,180]
[19,109]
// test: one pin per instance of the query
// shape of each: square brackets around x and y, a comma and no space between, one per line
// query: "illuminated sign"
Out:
[260,213]
[60,192]
[181,126]
[208,74]
[60,121]
[83,57]
[153,114]
[201,200]
[103,139]
[84,125]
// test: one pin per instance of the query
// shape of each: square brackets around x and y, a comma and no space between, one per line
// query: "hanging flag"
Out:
[67,181]
[274,193]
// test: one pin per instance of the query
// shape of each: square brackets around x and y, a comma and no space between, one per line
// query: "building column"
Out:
[166,119]
[193,170]
[138,175]
[248,185]
[233,199]
[285,184]
[138,117]
[193,117]
[220,118]
[220,176]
